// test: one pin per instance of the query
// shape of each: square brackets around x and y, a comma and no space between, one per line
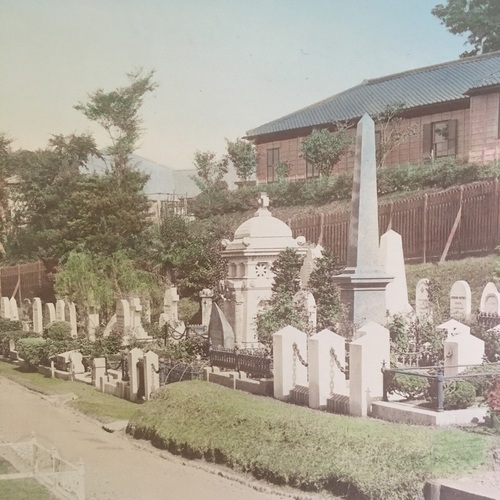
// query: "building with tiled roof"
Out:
[453,107]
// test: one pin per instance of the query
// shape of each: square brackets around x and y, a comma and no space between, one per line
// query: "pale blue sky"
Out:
[224,66]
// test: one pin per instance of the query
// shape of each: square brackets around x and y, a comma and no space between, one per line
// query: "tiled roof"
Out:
[419,87]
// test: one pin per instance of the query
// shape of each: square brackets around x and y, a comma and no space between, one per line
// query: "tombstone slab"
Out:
[423,306]
[14,311]
[460,300]
[37,316]
[220,332]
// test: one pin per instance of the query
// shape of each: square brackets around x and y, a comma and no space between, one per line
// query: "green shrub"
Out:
[58,330]
[459,394]
[409,386]
[7,325]
[482,385]
[31,350]
[188,309]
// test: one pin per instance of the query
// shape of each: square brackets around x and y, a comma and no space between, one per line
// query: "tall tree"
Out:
[324,149]
[243,156]
[118,113]
[210,171]
[480,19]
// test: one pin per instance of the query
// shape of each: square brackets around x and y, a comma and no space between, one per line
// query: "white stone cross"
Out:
[264,200]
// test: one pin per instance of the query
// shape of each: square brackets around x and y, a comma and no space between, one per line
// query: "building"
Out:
[454,108]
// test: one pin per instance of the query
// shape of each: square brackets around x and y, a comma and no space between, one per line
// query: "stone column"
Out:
[206,296]
[362,285]
[37,316]
[151,375]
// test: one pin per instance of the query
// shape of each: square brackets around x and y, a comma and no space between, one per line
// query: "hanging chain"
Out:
[297,353]
[336,360]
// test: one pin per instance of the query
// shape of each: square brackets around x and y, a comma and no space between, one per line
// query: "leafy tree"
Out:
[282,311]
[243,156]
[210,172]
[282,170]
[324,149]
[5,153]
[326,292]
[187,253]
[118,113]
[479,18]
[393,131]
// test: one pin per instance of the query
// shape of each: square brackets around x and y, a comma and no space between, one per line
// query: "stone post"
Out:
[206,296]
[133,357]
[37,316]
[98,371]
[151,375]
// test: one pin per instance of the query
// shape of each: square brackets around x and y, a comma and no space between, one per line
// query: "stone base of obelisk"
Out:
[363,296]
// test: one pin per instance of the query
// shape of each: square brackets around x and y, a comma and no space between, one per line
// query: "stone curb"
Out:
[447,489]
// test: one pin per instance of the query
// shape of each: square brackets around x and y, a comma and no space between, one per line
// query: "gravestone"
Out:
[170,305]
[453,328]
[151,375]
[220,332]
[312,255]
[76,358]
[14,311]
[489,299]
[5,307]
[289,346]
[363,282]
[305,302]
[423,306]
[123,321]
[136,320]
[460,300]
[93,323]
[460,350]
[326,362]
[27,315]
[396,292]
[49,314]
[367,355]
[60,310]
[37,316]
[98,371]
[134,356]
[70,316]
[146,311]
[110,326]
[207,297]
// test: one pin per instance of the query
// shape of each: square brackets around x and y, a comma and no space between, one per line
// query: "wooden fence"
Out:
[454,223]
[26,281]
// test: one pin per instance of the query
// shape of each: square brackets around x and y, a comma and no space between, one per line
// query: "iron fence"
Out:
[256,363]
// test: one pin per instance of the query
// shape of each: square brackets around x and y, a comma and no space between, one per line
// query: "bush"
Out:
[458,395]
[188,310]
[482,385]
[57,330]
[31,350]
[7,325]
[408,386]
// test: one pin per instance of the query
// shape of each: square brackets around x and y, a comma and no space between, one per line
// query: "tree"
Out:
[5,153]
[210,171]
[118,113]
[479,18]
[326,292]
[282,311]
[324,149]
[393,131]
[243,156]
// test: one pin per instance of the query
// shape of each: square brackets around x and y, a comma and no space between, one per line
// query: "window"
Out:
[311,170]
[273,157]
[440,139]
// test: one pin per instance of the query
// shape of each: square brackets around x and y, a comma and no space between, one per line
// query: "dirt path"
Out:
[115,468]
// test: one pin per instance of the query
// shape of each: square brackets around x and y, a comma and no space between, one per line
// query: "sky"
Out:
[223,66]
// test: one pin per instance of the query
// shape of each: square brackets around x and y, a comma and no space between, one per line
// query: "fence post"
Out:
[440,377]
[424,225]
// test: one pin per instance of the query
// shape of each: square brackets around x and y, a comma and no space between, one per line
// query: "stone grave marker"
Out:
[289,346]
[423,307]
[14,311]
[460,300]
[306,303]
[37,316]
[396,292]
[220,332]
[206,296]
[326,360]
[462,349]
[151,375]
[309,264]
[123,321]
[5,307]
[49,314]
[76,358]
[70,315]
[93,322]
[60,310]
[490,300]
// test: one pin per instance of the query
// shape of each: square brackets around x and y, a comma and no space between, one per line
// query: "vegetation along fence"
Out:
[454,223]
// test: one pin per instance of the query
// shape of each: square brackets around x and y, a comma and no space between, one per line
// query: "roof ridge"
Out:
[432,67]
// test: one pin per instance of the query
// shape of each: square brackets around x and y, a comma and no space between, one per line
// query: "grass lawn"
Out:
[302,448]
[88,400]
[477,271]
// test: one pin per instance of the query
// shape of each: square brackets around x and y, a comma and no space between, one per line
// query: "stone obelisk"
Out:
[362,284]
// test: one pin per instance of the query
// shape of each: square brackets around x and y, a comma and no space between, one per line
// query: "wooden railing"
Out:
[454,223]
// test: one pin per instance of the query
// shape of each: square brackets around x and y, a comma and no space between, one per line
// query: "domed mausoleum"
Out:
[256,244]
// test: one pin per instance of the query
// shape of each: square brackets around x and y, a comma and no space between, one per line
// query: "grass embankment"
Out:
[477,271]
[302,448]
[88,400]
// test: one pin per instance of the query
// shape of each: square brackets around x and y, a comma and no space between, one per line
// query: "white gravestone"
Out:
[367,355]
[60,310]
[489,300]
[123,321]
[151,375]
[460,350]
[37,316]
[326,366]
[49,314]
[14,311]
[423,306]
[396,292]
[288,369]
[133,358]
[460,300]
[5,307]
[70,315]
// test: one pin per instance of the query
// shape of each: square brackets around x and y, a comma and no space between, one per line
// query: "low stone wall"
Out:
[239,381]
